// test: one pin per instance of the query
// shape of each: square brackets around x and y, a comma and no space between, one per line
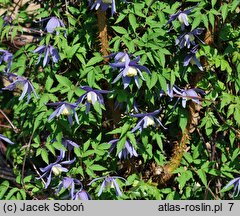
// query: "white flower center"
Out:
[131,72]
[19,85]
[66,111]
[109,184]
[123,59]
[150,121]
[180,17]
[89,97]
[192,62]
[56,170]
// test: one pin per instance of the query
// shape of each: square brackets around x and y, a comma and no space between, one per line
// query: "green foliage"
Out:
[211,153]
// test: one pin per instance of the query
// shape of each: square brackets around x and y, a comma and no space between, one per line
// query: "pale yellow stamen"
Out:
[56,170]
[89,97]
[19,85]
[150,121]
[66,111]
[131,72]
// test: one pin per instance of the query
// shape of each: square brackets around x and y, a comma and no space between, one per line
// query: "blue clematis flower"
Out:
[6,139]
[188,39]
[236,183]
[47,51]
[81,195]
[188,94]
[91,96]
[182,17]
[54,23]
[147,119]
[127,150]
[69,183]
[64,108]
[7,58]
[55,168]
[22,84]
[69,145]
[103,5]
[191,58]
[109,182]
[128,68]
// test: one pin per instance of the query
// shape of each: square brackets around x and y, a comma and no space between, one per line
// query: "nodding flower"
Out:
[91,96]
[191,58]
[55,168]
[236,183]
[66,109]
[182,16]
[129,69]
[103,5]
[109,182]
[47,51]
[23,84]
[54,23]
[7,58]
[127,150]
[147,119]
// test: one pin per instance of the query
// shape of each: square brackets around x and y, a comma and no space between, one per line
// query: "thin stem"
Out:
[5,116]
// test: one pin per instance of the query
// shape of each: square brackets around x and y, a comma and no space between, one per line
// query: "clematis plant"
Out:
[55,168]
[128,69]
[191,58]
[69,145]
[91,96]
[64,108]
[81,195]
[236,183]
[6,139]
[69,183]
[127,150]
[188,39]
[147,119]
[22,84]
[109,182]
[103,5]
[188,94]
[54,23]
[182,16]
[48,51]
[7,58]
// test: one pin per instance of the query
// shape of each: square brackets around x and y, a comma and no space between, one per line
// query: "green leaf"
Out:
[133,21]
[49,83]
[44,155]
[97,167]
[10,193]
[202,175]
[63,80]
[224,10]
[3,189]
[120,30]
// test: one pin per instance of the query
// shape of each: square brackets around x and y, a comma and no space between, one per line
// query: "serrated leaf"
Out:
[63,80]
[44,155]
[202,175]
[120,30]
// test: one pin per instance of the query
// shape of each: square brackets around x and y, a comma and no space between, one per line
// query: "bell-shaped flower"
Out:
[127,150]
[49,52]
[109,182]
[147,119]
[7,58]
[64,108]
[91,96]
[54,23]
[236,183]
[182,16]
[188,94]
[6,139]
[129,69]
[69,183]
[55,168]
[69,145]
[23,84]
[191,58]
[103,5]
[188,39]
[81,195]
